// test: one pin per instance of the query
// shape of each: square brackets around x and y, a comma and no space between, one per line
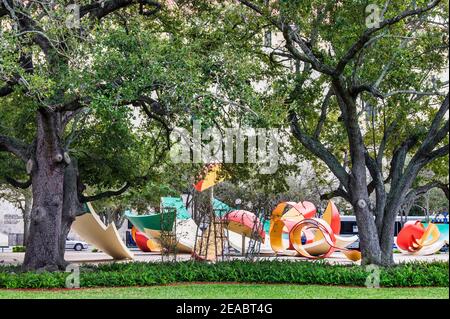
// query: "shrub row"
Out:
[147,274]
[18,249]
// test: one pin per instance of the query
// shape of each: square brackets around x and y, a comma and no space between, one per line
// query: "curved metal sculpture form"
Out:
[245,223]
[325,241]
[154,221]
[321,236]
[212,177]
[278,224]
[415,239]
[106,238]
[143,242]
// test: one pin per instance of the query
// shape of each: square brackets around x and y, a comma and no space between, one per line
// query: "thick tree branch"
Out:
[18,184]
[14,146]
[339,192]
[355,91]
[399,158]
[85,199]
[433,184]
[425,153]
[319,150]
[323,114]
[27,25]
[436,134]
[7,89]
[100,9]
[26,63]
[366,36]
[291,37]
[3,10]
[440,152]
[386,135]
[71,106]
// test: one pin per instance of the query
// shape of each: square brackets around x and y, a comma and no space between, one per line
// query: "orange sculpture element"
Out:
[211,178]
[332,217]
[414,238]
[278,224]
[244,223]
[323,243]
[322,235]
[143,242]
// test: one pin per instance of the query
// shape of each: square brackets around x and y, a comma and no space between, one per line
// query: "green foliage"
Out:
[412,55]
[148,274]
[18,249]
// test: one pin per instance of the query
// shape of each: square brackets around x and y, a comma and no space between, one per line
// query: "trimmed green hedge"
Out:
[147,274]
[18,249]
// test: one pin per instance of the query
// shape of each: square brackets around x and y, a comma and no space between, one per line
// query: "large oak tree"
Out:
[345,71]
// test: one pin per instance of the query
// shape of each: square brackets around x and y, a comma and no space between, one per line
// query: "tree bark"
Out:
[367,230]
[357,187]
[71,206]
[26,214]
[47,170]
[387,239]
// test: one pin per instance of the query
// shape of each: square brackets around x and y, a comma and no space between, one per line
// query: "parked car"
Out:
[77,245]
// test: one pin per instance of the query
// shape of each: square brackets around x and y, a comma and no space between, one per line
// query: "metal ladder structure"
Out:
[211,238]
[254,248]
[168,238]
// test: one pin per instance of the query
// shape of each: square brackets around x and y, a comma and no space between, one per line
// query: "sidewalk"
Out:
[87,257]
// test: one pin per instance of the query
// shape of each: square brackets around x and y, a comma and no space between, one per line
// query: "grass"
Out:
[231,291]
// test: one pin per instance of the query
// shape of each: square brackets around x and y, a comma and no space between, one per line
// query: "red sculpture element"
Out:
[141,240]
[244,222]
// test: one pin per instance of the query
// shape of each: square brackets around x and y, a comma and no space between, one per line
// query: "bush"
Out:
[148,274]
[94,250]
[18,249]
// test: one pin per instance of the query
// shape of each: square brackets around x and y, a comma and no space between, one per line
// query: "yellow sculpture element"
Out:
[153,242]
[106,238]
[277,224]
[213,177]
[432,231]
[322,235]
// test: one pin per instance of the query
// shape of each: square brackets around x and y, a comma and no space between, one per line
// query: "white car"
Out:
[77,245]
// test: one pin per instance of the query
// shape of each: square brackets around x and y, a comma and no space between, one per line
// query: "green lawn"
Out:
[247,291]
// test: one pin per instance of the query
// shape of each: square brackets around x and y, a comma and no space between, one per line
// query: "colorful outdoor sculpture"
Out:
[321,235]
[211,178]
[415,239]
[174,218]
[143,242]
[106,238]
[244,223]
[243,227]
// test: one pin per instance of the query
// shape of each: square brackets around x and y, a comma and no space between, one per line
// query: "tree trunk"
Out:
[71,206]
[387,239]
[26,214]
[47,170]
[387,231]
[367,230]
